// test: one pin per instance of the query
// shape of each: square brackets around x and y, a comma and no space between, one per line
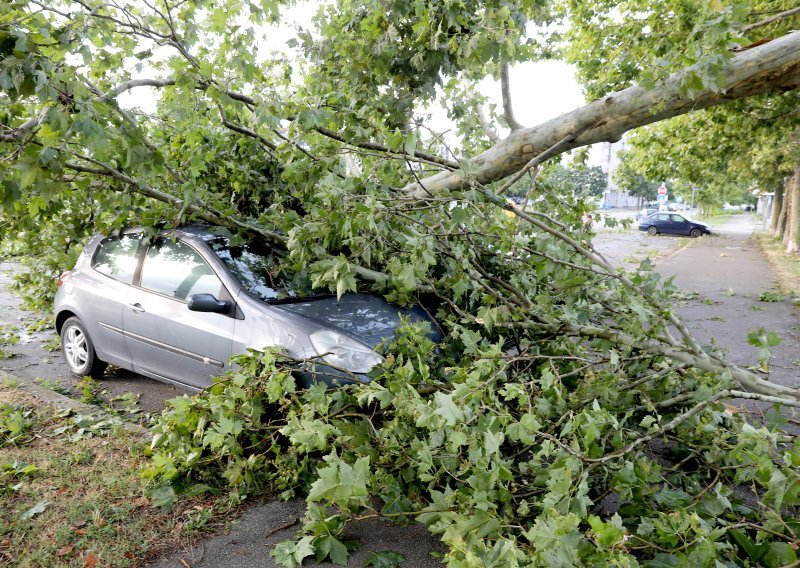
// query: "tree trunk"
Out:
[775,213]
[772,67]
[780,228]
[792,238]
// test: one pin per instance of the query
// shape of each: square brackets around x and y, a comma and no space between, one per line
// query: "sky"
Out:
[540,91]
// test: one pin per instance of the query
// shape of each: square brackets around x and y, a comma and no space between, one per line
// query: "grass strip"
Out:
[786,265]
[71,494]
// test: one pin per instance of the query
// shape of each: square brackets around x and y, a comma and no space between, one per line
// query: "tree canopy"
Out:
[568,416]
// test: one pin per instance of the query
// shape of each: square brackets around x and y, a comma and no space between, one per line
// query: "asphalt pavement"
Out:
[728,273]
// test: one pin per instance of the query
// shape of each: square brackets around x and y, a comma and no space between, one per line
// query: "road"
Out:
[722,277]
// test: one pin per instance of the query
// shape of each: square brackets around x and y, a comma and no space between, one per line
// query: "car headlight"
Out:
[341,351]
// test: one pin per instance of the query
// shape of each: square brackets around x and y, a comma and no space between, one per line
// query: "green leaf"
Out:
[37,509]
[410,144]
[779,554]
[330,547]
[385,559]
[607,533]
[340,483]
[290,554]
[754,551]
[447,409]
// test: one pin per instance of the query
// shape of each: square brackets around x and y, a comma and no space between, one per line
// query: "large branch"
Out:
[508,109]
[13,134]
[775,18]
[769,68]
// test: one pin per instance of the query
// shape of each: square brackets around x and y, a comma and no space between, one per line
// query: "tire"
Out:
[694,233]
[652,231]
[78,350]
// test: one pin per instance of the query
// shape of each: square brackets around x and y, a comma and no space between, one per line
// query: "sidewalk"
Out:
[729,272]
[260,528]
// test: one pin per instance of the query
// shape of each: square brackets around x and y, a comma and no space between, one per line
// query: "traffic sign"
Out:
[662,190]
[662,198]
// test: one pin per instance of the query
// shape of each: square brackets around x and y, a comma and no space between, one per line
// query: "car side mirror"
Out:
[207,303]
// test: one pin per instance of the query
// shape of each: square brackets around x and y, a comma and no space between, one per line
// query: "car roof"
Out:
[204,231]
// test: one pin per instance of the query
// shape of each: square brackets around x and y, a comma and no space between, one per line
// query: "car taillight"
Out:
[62,278]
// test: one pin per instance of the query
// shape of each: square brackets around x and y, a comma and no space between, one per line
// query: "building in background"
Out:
[606,155]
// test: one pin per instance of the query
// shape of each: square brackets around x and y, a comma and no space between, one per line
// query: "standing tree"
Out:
[568,416]
[585,181]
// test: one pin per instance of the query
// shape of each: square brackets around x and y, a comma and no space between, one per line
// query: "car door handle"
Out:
[136,308]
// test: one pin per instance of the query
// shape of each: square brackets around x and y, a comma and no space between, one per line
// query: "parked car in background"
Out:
[672,224]
[646,212]
[177,307]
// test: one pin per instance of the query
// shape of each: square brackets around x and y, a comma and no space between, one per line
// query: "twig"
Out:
[774,18]
[279,528]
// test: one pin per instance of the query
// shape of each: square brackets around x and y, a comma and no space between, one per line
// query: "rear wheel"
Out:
[652,231]
[79,352]
[694,233]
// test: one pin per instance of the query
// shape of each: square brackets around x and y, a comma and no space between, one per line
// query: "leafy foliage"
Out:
[476,451]
[586,181]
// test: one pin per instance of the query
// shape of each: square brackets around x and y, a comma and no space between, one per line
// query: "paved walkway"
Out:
[729,273]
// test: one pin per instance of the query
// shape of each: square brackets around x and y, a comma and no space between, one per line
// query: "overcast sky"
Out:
[539,91]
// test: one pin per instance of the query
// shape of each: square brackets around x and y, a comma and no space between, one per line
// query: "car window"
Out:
[255,267]
[661,217]
[176,270]
[678,219]
[116,257]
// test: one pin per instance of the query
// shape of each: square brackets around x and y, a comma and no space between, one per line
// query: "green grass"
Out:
[714,220]
[786,266]
[71,493]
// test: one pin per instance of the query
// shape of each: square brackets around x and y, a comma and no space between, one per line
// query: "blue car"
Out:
[668,223]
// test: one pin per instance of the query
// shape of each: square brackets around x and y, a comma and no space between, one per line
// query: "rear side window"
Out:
[176,270]
[116,257]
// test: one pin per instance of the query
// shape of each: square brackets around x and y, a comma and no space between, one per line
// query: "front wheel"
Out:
[79,352]
[694,233]
[652,231]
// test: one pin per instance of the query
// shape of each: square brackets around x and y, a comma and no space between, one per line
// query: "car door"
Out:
[165,338]
[102,296]
[661,222]
[680,225]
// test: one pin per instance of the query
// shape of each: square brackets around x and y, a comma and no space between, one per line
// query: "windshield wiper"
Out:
[299,299]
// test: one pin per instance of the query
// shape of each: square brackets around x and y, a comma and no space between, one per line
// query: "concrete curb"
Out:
[673,253]
[66,403]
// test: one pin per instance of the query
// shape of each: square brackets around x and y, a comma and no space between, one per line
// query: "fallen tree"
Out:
[566,417]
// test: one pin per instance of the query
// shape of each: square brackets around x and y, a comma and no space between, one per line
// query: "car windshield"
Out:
[256,267]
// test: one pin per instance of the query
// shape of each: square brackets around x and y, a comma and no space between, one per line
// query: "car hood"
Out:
[364,317]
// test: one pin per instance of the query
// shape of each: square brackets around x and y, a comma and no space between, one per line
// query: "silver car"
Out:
[176,307]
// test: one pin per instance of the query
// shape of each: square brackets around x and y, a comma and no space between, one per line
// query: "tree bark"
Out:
[774,66]
[780,229]
[508,109]
[777,205]
[792,238]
